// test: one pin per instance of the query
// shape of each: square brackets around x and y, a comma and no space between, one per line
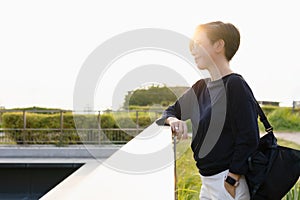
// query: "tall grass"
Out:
[188,178]
[294,193]
[282,119]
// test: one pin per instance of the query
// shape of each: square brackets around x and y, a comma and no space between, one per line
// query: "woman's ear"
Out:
[219,46]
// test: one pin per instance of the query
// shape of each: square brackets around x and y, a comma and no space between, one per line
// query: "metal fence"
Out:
[67,136]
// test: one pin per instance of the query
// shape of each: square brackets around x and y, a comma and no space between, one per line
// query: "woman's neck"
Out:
[219,71]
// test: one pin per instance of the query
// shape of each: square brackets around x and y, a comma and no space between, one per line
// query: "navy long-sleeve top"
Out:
[224,123]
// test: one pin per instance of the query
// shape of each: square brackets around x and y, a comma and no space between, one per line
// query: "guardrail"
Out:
[92,134]
[59,137]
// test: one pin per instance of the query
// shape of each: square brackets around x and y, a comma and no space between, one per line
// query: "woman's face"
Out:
[202,49]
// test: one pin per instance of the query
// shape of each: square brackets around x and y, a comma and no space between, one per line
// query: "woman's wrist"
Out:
[170,119]
[235,176]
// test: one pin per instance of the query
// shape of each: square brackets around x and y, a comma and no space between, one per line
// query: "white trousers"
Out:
[213,188]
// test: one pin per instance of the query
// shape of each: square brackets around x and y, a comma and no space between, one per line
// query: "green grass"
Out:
[188,178]
[283,119]
[294,193]
[5,140]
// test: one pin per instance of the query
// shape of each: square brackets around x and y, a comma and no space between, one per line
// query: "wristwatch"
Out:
[231,181]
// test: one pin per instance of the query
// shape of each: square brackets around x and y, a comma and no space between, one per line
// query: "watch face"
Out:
[231,181]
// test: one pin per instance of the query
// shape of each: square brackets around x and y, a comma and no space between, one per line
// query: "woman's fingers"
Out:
[174,127]
[181,125]
[185,130]
[179,129]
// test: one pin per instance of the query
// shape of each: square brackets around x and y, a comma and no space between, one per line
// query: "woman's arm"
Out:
[242,105]
[176,114]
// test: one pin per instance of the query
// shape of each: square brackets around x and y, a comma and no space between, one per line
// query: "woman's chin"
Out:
[201,67]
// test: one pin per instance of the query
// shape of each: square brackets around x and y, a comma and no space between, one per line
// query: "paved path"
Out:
[293,137]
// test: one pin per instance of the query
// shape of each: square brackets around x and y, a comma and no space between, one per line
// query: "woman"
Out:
[223,113]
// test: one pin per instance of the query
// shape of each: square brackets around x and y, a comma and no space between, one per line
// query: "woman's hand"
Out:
[230,189]
[179,128]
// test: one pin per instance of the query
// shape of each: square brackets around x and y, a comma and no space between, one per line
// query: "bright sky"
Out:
[43,44]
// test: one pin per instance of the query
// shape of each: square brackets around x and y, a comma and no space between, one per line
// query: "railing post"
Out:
[175,169]
[24,119]
[61,127]
[61,121]
[137,121]
[99,127]
[24,127]
[294,106]
[1,113]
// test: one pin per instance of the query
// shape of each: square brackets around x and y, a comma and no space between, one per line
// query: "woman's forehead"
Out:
[199,35]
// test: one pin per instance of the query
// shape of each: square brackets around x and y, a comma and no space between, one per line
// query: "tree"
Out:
[153,95]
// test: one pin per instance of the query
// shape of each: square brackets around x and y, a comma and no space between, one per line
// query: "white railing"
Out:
[141,169]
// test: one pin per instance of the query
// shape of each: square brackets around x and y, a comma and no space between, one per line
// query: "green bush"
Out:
[108,121]
[12,120]
[144,121]
[141,108]
[39,121]
[283,119]
[268,109]
[129,119]
[88,121]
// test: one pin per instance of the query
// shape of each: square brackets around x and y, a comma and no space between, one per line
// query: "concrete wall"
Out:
[57,152]
[141,169]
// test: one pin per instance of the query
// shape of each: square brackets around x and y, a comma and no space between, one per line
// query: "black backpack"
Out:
[273,169]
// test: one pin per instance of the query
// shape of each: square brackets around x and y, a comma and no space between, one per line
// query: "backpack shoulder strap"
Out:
[260,112]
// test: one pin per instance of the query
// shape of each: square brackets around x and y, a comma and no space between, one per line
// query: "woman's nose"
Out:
[193,52]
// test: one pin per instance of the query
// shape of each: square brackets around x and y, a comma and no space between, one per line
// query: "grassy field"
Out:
[283,119]
[188,179]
